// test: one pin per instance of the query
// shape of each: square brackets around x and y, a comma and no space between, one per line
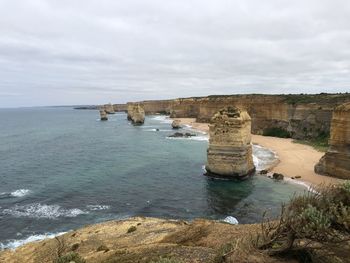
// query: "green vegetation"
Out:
[70,257]
[320,143]
[314,227]
[132,229]
[167,260]
[316,98]
[276,132]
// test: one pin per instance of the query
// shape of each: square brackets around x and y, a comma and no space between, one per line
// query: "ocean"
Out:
[61,169]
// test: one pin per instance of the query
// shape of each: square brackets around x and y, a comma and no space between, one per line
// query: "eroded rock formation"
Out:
[109,108]
[103,114]
[136,113]
[230,149]
[336,161]
[176,124]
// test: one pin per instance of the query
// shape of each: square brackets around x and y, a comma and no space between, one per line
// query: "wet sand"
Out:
[294,159]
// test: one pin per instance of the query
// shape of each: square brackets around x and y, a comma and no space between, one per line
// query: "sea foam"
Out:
[16,193]
[38,210]
[14,243]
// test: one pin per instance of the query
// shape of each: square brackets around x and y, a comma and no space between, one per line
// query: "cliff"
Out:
[301,116]
[230,149]
[336,161]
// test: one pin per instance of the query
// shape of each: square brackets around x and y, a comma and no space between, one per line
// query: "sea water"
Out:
[61,169]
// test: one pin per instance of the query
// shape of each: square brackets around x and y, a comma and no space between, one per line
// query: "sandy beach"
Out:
[294,159]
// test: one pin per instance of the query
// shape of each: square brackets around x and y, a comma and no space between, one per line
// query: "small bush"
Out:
[276,132]
[311,225]
[72,256]
[75,247]
[102,248]
[132,229]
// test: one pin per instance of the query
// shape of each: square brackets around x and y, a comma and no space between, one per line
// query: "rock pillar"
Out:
[136,113]
[103,114]
[230,150]
[109,108]
[336,161]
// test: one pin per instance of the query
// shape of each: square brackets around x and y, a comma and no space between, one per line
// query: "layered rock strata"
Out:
[336,161]
[136,113]
[230,150]
[302,116]
[103,114]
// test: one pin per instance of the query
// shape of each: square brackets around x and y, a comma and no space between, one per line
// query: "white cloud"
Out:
[84,51]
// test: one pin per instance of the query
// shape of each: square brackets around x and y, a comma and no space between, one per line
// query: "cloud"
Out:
[85,51]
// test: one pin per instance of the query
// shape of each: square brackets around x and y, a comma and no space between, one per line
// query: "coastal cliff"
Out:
[336,161]
[300,116]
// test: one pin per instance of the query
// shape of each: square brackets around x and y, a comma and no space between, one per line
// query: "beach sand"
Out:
[294,159]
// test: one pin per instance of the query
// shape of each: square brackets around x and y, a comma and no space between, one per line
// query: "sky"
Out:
[64,52]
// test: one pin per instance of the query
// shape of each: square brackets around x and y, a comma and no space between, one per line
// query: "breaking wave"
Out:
[16,193]
[38,210]
[14,243]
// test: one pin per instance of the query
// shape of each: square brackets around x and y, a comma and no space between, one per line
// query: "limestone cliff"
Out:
[302,116]
[136,113]
[120,107]
[230,149]
[336,161]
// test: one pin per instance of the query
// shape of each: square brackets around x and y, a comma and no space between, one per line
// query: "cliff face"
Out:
[120,107]
[303,116]
[109,108]
[230,150]
[336,161]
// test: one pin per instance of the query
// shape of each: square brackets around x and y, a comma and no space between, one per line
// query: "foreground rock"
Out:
[182,135]
[144,240]
[336,161]
[136,113]
[176,124]
[103,114]
[230,149]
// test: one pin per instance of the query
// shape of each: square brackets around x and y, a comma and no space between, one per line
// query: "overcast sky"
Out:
[56,52]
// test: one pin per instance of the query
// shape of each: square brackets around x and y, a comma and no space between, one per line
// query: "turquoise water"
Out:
[63,168]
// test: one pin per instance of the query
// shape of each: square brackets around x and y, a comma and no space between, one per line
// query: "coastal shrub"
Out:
[276,132]
[70,257]
[102,248]
[320,143]
[132,229]
[314,227]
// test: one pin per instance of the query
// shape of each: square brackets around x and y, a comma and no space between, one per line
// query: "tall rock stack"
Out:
[109,108]
[336,161]
[103,114]
[230,150]
[136,113]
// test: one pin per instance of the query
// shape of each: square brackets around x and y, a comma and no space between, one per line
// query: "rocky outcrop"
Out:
[136,113]
[336,161]
[230,150]
[176,124]
[109,108]
[103,114]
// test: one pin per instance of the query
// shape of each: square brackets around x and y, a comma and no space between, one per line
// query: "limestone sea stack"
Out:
[176,124]
[336,161]
[103,114]
[230,150]
[136,113]
[109,108]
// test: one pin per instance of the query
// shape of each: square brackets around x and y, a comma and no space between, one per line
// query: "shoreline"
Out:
[293,159]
